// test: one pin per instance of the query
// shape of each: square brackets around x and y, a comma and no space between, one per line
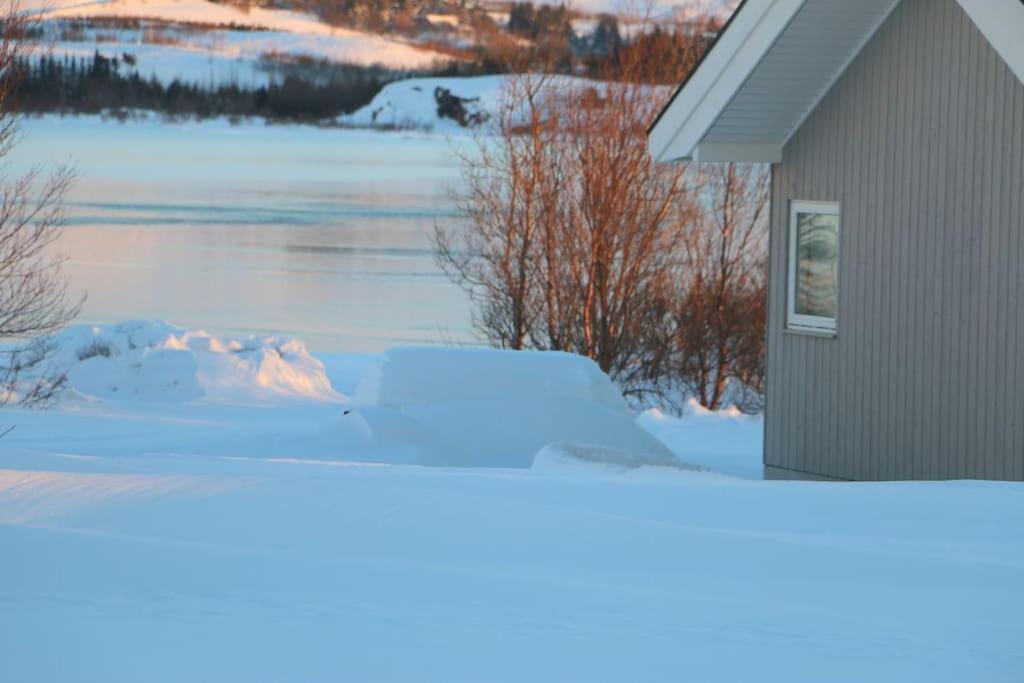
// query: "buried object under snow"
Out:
[487,408]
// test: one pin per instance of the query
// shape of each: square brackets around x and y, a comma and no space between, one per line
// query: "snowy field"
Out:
[211,43]
[200,508]
[169,63]
[208,43]
[218,57]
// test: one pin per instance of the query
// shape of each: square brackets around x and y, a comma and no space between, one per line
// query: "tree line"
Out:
[99,83]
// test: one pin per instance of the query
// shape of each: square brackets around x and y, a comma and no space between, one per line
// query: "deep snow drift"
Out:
[480,407]
[155,361]
[235,535]
[423,406]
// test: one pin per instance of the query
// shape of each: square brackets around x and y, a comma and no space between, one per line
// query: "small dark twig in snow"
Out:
[9,430]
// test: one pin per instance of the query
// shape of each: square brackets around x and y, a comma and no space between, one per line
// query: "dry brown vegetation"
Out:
[577,241]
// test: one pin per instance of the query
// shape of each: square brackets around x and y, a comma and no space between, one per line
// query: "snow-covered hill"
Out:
[155,362]
[195,12]
[203,42]
[413,103]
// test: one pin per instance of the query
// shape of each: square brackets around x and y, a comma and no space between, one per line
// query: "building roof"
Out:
[774,62]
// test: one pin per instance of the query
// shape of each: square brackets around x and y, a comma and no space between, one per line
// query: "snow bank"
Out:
[486,408]
[725,441]
[439,375]
[158,362]
[412,103]
[257,30]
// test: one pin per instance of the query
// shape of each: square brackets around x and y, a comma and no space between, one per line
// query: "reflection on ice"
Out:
[253,228]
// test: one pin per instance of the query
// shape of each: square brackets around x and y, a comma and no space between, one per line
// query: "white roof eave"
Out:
[745,42]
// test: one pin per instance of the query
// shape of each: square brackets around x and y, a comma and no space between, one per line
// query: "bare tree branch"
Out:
[33,292]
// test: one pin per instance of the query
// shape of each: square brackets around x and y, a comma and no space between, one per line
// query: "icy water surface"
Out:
[324,234]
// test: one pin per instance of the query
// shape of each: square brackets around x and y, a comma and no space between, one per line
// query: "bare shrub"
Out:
[576,241]
[97,349]
[718,301]
[574,233]
[33,292]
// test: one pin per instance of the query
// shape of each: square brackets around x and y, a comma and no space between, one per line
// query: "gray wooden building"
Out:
[895,134]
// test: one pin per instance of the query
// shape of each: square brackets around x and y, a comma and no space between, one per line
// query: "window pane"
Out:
[817,264]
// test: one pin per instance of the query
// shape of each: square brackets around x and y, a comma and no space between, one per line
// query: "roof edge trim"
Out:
[728,64]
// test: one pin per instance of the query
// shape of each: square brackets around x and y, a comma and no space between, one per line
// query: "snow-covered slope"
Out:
[145,361]
[629,8]
[168,63]
[195,12]
[231,33]
[412,103]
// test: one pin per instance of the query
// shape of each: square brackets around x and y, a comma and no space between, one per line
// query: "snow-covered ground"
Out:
[168,63]
[194,12]
[666,8]
[204,42]
[223,56]
[228,535]
[412,103]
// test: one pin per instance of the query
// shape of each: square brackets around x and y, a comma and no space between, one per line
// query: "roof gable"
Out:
[774,63]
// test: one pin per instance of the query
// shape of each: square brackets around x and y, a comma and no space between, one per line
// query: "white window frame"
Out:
[796,321]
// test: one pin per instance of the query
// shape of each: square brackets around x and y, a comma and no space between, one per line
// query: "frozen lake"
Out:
[324,234]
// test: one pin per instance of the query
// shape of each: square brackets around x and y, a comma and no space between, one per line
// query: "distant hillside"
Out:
[316,60]
[420,103]
[443,105]
[223,32]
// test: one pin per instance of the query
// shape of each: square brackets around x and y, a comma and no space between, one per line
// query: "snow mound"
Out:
[159,362]
[417,103]
[413,103]
[487,408]
[725,441]
[407,376]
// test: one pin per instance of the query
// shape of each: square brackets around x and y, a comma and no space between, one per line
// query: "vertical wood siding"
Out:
[922,144]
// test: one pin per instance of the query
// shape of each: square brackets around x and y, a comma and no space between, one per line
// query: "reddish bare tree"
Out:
[573,231]
[719,300]
[577,241]
[33,293]
[508,192]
